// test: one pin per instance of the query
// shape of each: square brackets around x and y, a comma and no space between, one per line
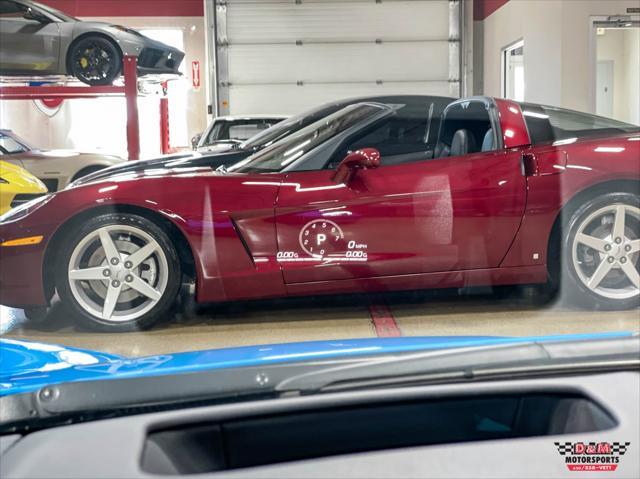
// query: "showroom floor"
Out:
[443,313]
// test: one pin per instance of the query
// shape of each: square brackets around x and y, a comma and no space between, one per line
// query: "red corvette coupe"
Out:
[511,193]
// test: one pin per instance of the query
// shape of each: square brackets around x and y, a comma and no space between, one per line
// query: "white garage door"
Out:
[287,55]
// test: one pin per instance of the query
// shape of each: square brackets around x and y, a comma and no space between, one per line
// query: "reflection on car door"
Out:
[27,46]
[447,214]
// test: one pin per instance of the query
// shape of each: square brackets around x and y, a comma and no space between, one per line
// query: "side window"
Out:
[466,128]
[537,121]
[548,124]
[398,139]
[10,9]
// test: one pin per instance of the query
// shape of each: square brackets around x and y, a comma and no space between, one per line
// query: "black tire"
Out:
[162,307]
[95,60]
[36,315]
[574,288]
[87,171]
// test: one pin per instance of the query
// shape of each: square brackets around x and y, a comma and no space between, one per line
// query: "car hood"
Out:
[20,178]
[179,161]
[64,154]
[27,366]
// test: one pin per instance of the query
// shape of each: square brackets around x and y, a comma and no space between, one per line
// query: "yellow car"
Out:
[17,186]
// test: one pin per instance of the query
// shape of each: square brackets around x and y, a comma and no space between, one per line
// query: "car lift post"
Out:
[130,69]
[165,145]
[129,91]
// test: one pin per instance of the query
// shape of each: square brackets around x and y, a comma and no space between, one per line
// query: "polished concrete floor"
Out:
[444,313]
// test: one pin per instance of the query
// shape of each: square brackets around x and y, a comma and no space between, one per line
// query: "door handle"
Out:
[528,164]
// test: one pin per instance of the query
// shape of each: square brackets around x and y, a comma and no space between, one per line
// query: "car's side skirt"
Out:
[453,279]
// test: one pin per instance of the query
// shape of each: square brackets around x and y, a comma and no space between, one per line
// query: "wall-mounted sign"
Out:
[195,74]
[47,106]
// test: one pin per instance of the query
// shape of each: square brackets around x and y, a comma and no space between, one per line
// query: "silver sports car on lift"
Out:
[39,40]
[55,168]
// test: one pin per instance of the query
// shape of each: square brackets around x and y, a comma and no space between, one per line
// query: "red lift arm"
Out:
[129,91]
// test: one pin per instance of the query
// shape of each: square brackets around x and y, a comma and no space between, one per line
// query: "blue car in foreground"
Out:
[395,407]
[26,366]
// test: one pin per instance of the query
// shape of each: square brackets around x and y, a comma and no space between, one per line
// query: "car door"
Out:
[27,46]
[438,215]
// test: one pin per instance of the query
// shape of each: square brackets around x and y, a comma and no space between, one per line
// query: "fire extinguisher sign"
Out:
[195,74]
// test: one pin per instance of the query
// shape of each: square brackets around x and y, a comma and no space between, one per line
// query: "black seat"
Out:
[487,141]
[463,143]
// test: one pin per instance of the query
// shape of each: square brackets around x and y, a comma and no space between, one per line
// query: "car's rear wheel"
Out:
[601,253]
[118,272]
[94,60]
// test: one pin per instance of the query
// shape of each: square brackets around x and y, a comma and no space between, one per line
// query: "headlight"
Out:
[25,209]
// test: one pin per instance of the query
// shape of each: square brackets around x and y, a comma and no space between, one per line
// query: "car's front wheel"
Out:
[601,252]
[94,60]
[118,272]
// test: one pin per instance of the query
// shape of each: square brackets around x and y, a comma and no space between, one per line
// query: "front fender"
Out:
[128,43]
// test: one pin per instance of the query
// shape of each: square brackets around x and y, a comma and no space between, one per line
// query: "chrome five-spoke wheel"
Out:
[606,250]
[118,273]
[121,272]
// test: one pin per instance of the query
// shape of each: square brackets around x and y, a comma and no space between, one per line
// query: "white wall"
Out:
[531,21]
[559,58]
[81,124]
[632,77]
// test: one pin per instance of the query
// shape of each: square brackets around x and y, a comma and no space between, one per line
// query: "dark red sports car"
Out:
[511,193]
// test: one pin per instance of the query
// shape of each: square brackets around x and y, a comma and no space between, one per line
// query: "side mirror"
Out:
[195,140]
[32,14]
[356,160]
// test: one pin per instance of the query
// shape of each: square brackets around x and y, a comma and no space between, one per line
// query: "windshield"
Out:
[287,127]
[238,130]
[283,153]
[11,144]
[336,204]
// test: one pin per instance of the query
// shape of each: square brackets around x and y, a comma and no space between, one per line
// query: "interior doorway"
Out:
[617,79]
[513,86]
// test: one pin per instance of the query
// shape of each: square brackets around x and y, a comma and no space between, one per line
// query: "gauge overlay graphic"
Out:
[319,238]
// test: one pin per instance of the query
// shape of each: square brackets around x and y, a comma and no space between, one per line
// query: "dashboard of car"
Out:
[515,428]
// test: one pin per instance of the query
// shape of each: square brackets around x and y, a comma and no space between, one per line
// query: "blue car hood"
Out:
[27,366]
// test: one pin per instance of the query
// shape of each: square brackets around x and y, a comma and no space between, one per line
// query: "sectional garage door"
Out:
[287,55]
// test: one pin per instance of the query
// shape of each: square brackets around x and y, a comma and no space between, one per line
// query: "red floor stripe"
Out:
[383,320]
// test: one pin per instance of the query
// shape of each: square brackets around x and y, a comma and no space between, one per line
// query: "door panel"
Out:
[447,214]
[29,46]
[604,88]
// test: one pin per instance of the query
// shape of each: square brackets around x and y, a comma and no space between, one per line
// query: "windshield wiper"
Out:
[72,402]
[464,364]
